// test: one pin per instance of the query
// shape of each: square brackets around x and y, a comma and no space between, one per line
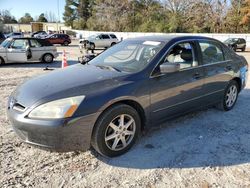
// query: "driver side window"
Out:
[20,44]
[182,54]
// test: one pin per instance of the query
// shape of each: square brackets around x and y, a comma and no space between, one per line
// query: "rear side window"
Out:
[113,36]
[105,36]
[211,52]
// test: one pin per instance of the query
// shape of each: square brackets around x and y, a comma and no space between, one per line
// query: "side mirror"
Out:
[169,67]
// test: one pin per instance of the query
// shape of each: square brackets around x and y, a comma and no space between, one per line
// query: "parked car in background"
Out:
[236,43]
[41,35]
[2,37]
[27,50]
[62,39]
[140,82]
[15,35]
[37,32]
[98,41]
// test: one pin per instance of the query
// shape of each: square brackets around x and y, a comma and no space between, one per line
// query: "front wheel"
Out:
[2,61]
[230,96]
[92,46]
[116,130]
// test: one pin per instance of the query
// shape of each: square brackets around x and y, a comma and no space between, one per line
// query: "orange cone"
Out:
[64,60]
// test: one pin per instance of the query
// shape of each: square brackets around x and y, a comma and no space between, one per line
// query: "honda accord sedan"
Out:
[135,84]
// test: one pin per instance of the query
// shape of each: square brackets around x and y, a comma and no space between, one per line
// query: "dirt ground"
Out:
[209,148]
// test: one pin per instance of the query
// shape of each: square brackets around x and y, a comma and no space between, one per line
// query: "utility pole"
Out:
[58,12]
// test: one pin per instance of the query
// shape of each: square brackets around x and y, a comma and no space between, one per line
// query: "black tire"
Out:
[65,43]
[223,104]
[2,62]
[48,58]
[243,49]
[92,46]
[235,48]
[103,129]
[113,43]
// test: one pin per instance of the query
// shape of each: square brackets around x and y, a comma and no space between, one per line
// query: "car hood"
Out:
[74,80]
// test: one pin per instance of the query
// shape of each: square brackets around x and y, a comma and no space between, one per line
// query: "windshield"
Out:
[128,56]
[92,37]
[232,40]
[5,43]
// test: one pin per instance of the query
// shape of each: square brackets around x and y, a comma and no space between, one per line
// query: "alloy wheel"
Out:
[120,132]
[231,95]
[48,58]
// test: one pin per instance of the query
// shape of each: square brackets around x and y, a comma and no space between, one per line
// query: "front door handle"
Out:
[229,67]
[197,76]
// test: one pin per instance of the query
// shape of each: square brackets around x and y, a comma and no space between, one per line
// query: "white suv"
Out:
[98,41]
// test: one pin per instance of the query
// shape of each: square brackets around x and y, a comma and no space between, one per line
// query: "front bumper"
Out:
[60,135]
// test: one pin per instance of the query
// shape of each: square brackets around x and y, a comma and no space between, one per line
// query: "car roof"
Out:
[165,38]
[26,38]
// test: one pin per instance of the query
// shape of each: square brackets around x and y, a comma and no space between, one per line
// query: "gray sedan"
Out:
[135,84]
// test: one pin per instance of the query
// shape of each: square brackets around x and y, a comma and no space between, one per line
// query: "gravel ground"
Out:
[209,148]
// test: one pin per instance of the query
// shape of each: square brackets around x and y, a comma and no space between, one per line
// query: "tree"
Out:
[77,13]
[50,16]
[6,17]
[109,15]
[26,19]
[70,13]
[244,10]
[42,18]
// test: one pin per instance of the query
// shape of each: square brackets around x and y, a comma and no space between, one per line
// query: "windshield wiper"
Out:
[108,67]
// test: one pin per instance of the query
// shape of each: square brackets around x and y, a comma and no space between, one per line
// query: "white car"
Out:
[41,35]
[15,35]
[98,41]
[27,50]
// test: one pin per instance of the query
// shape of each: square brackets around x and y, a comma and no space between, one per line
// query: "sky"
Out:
[35,7]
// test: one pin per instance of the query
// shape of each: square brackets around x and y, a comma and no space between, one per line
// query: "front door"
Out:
[174,93]
[36,50]
[17,51]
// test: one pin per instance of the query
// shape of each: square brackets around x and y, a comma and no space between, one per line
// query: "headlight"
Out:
[62,108]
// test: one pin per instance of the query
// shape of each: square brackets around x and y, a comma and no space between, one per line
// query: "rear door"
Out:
[17,50]
[174,93]
[218,69]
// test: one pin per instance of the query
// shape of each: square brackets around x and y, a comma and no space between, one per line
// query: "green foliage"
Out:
[199,16]
[26,19]
[42,18]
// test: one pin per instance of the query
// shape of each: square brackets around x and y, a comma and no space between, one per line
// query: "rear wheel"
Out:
[65,43]
[47,58]
[2,61]
[230,96]
[113,43]
[116,130]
